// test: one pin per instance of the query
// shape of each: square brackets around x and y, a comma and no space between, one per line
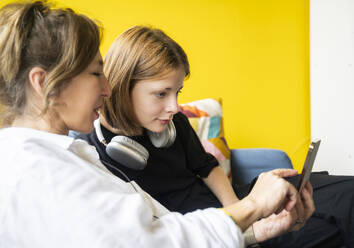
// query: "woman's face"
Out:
[155,100]
[80,101]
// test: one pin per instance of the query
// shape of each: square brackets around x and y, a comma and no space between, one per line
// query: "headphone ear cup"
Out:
[127,152]
[165,138]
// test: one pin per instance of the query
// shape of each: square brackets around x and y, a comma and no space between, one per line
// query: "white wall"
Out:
[332,83]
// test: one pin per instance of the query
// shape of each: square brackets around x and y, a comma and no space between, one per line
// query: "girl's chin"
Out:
[156,129]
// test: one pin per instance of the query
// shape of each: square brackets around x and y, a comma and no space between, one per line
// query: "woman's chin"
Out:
[84,129]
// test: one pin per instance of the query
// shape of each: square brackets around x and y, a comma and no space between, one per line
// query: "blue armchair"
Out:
[246,164]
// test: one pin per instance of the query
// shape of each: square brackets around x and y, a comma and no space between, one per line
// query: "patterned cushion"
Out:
[205,116]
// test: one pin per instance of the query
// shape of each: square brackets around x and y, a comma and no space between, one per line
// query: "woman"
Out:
[54,192]
[146,70]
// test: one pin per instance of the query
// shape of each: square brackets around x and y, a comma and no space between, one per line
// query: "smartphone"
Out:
[309,161]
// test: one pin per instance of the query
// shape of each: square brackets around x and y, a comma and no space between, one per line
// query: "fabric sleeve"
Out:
[52,197]
[198,160]
[96,212]
[126,221]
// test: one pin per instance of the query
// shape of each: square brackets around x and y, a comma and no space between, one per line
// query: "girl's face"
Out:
[80,101]
[155,100]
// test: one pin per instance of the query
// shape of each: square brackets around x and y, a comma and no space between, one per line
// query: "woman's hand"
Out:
[274,225]
[272,193]
[293,220]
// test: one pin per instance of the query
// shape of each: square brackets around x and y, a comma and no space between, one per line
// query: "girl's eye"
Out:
[160,94]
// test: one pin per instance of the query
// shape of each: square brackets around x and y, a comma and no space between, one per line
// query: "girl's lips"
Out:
[165,122]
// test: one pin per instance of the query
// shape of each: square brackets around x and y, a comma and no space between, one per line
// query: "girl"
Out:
[140,121]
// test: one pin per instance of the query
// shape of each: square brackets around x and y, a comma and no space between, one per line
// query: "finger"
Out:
[297,223]
[281,207]
[297,226]
[284,172]
[292,197]
[300,209]
[308,202]
[292,217]
[309,187]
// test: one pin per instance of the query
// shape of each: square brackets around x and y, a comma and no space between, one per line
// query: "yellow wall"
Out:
[252,53]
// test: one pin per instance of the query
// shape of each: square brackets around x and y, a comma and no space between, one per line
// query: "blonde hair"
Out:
[33,33]
[140,53]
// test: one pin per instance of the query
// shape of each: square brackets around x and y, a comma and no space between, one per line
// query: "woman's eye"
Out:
[97,74]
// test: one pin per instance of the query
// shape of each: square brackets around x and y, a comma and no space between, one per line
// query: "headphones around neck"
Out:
[130,153]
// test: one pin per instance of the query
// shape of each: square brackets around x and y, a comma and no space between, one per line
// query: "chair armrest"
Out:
[246,164]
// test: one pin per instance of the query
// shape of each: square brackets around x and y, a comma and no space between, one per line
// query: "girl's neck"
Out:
[113,129]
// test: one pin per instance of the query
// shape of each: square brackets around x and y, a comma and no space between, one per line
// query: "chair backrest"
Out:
[246,164]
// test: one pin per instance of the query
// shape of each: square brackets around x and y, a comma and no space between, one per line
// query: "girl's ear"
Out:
[36,79]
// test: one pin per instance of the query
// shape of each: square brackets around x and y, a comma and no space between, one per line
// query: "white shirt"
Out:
[54,192]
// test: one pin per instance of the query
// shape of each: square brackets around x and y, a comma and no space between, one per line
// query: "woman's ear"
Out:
[36,79]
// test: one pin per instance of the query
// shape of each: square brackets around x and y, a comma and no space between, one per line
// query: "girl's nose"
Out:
[172,105]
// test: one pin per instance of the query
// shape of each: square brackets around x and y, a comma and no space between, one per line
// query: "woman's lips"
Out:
[96,111]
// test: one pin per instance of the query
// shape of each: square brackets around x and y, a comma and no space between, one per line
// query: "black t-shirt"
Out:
[172,175]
